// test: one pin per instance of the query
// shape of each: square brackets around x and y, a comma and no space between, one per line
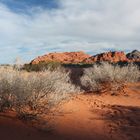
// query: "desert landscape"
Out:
[72,96]
[69,70]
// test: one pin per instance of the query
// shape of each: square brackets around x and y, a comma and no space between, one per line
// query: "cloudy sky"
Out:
[29,28]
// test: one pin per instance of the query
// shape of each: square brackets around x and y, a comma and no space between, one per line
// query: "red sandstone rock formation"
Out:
[66,57]
[108,56]
[81,57]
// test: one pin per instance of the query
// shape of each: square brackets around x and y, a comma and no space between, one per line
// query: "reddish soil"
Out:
[83,117]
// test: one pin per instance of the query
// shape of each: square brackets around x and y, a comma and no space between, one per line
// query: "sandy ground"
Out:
[84,117]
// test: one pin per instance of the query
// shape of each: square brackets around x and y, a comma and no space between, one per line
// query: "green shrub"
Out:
[42,66]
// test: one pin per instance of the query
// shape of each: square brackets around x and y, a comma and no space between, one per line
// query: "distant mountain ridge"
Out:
[82,57]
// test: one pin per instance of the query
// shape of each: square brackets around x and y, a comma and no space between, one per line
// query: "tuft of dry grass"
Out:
[109,77]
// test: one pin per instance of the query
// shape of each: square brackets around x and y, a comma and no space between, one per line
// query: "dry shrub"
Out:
[35,92]
[42,66]
[109,77]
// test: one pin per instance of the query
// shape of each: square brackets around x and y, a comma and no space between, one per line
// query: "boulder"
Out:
[134,56]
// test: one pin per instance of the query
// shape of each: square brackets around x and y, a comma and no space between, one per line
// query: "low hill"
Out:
[66,57]
[82,57]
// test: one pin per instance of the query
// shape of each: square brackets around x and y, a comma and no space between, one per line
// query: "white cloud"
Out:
[90,25]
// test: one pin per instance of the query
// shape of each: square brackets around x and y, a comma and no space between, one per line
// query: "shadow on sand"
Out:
[124,120]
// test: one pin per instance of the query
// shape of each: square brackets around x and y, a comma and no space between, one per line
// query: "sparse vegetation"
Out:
[33,93]
[42,66]
[105,76]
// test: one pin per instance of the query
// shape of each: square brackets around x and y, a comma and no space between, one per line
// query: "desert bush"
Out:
[107,76]
[35,92]
[42,66]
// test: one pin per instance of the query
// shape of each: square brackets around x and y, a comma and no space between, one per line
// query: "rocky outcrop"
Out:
[134,56]
[108,56]
[65,58]
[81,57]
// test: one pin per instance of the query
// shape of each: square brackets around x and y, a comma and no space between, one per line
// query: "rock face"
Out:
[66,57]
[81,57]
[134,56]
[108,56]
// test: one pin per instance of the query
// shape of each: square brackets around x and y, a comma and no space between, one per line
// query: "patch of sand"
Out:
[84,117]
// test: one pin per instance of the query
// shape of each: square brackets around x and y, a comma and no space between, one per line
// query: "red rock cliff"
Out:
[78,57]
[66,57]
[108,56]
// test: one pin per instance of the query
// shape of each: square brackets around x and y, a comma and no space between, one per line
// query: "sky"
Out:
[30,28]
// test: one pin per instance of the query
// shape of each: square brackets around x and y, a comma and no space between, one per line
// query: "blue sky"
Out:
[25,5]
[29,28]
